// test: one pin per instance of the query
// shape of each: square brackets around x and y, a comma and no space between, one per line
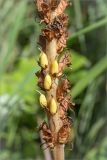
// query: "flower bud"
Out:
[47,82]
[43,101]
[43,60]
[54,67]
[53,106]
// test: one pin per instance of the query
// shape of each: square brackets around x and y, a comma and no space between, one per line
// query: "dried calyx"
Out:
[51,12]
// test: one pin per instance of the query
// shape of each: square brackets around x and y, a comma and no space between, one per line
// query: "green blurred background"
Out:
[19,108]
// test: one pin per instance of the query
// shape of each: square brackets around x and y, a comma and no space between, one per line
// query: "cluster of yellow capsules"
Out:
[43,61]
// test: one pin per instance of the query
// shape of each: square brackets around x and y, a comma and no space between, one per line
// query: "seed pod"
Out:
[47,82]
[54,67]
[53,106]
[43,100]
[43,60]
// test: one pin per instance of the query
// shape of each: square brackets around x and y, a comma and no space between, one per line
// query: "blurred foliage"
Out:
[19,108]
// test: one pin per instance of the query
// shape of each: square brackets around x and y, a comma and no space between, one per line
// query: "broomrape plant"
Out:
[56,100]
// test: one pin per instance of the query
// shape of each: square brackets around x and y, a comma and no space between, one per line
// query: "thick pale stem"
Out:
[59,152]
[54,120]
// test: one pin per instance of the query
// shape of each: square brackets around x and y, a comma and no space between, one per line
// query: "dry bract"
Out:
[48,136]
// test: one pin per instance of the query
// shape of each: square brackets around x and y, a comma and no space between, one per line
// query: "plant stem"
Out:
[59,152]
[54,120]
[100,67]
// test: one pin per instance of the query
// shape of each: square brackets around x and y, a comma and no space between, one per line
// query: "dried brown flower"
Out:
[54,4]
[63,62]
[41,75]
[64,133]
[61,43]
[62,89]
[65,103]
[61,7]
[47,135]
[43,10]
[56,29]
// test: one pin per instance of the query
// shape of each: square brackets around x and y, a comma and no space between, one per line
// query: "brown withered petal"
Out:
[62,113]
[66,103]
[67,121]
[61,7]
[43,126]
[54,4]
[47,135]
[62,89]
[48,34]
[62,42]
[41,76]
[63,62]
[63,18]
[43,10]
[57,27]
[38,3]
[42,6]
[63,134]
[42,42]
[56,30]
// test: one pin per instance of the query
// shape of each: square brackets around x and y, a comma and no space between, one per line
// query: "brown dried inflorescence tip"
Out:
[56,28]
[56,104]
[45,9]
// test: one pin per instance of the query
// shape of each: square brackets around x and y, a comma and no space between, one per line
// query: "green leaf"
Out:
[92,74]
[20,13]
[86,30]
[78,61]
[95,129]
[75,76]
[97,152]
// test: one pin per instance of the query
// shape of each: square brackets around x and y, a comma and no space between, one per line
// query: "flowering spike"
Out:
[53,40]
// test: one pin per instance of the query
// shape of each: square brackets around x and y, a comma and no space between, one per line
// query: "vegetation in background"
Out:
[19,106]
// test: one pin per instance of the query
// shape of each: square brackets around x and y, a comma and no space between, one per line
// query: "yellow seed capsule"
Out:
[47,82]
[43,60]
[53,106]
[54,67]
[43,101]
